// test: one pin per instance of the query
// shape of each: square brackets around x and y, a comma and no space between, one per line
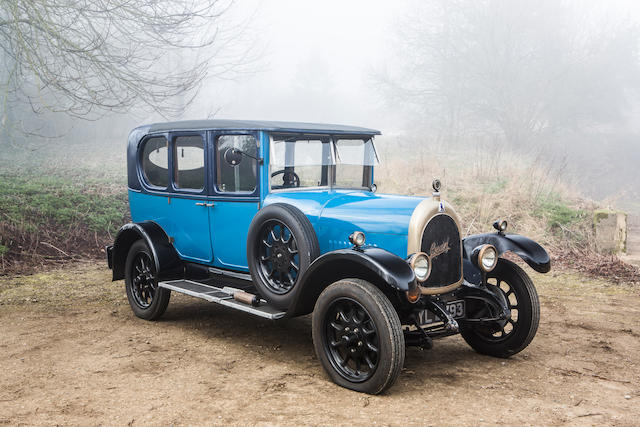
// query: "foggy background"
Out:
[557,82]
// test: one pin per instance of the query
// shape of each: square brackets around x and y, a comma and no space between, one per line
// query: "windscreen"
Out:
[317,161]
[356,152]
[300,162]
[355,159]
[301,152]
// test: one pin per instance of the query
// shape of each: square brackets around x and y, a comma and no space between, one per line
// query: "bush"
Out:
[54,218]
[558,214]
[28,203]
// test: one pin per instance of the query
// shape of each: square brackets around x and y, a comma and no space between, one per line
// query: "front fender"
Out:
[530,252]
[387,271]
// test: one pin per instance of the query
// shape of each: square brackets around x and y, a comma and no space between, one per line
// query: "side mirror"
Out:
[232,156]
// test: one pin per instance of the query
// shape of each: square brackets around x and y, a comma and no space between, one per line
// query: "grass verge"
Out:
[56,217]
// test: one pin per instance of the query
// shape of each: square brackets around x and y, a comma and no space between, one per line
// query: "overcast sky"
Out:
[317,63]
[318,60]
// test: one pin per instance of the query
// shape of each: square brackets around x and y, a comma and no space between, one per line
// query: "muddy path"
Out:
[72,353]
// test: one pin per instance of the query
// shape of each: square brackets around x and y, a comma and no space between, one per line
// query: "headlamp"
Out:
[501,226]
[485,257]
[357,238]
[421,265]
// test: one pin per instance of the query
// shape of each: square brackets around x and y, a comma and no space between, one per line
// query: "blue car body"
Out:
[210,227]
[336,214]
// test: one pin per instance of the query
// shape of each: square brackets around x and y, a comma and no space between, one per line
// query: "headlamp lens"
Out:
[421,265]
[489,258]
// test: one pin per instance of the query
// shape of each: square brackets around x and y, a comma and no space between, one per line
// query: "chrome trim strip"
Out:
[234,274]
[440,289]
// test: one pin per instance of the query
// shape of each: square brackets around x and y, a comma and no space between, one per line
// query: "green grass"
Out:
[496,186]
[558,213]
[30,202]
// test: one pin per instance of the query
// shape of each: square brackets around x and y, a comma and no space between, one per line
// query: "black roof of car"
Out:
[320,128]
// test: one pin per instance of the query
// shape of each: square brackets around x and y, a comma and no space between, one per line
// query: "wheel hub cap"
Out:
[351,340]
[279,260]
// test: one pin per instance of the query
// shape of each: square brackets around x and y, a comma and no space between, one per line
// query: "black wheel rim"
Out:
[279,257]
[505,329]
[143,282]
[351,340]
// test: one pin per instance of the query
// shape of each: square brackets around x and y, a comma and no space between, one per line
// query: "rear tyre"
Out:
[512,336]
[281,244]
[358,337]
[147,300]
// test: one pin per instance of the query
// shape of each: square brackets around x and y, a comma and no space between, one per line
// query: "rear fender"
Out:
[168,263]
[387,271]
[530,252]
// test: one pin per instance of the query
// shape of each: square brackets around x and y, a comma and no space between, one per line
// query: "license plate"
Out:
[455,308]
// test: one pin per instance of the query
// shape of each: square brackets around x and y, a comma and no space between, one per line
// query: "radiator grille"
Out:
[441,241]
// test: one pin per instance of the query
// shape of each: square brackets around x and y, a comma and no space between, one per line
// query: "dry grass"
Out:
[530,191]
[484,184]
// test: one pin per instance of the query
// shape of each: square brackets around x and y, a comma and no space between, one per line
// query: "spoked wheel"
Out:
[279,257]
[351,340]
[281,244]
[357,336]
[143,282]
[508,337]
[146,299]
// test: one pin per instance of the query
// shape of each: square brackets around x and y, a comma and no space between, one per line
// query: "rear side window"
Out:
[189,162]
[155,161]
[240,178]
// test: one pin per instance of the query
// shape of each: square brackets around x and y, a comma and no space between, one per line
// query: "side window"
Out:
[155,162]
[240,178]
[189,162]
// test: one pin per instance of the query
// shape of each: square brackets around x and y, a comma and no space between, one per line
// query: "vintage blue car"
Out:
[282,219]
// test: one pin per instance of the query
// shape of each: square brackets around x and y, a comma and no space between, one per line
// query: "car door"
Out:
[236,198]
[189,206]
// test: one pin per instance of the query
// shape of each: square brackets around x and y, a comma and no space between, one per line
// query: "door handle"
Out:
[204,204]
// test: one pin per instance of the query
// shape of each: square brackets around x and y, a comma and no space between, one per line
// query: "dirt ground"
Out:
[71,352]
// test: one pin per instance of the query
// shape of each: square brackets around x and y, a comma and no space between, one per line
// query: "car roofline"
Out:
[259,125]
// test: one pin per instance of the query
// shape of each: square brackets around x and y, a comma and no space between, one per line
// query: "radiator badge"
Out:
[440,249]
[441,207]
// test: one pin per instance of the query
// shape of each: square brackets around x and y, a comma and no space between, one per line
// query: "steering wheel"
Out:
[289,178]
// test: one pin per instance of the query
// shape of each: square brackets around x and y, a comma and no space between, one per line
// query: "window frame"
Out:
[173,136]
[367,171]
[215,191]
[327,170]
[171,189]
[367,178]
[141,174]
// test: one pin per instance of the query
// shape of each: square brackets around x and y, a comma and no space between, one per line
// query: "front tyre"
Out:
[147,300]
[281,244]
[358,336]
[512,336]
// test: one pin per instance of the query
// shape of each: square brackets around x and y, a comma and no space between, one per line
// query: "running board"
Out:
[222,296]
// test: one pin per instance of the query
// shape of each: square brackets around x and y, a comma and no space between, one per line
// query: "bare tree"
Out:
[87,57]
[516,68]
